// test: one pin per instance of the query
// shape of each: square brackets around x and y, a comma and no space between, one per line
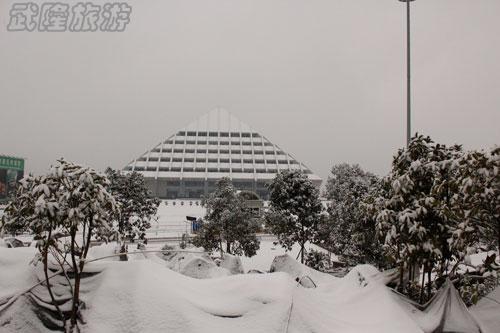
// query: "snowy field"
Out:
[144,295]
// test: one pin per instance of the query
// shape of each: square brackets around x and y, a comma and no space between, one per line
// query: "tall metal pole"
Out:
[408,75]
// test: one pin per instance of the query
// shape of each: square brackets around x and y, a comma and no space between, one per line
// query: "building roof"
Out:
[213,146]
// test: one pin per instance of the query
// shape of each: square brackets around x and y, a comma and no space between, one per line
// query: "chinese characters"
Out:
[60,17]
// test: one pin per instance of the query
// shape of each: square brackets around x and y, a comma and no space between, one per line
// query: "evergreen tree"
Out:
[414,215]
[135,201]
[347,232]
[295,210]
[228,222]
[70,199]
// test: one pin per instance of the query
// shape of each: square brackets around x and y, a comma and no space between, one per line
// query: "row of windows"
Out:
[220,170]
[221,134]
[216,160]
[221,143]
[219,151]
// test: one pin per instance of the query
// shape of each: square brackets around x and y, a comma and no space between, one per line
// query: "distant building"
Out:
[188,163]
[11,171]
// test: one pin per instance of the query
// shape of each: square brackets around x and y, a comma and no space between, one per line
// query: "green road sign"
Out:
[11,163]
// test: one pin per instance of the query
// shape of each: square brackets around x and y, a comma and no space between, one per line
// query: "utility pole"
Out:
[408,73]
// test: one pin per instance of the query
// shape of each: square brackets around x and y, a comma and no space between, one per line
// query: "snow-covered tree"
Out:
[295,210]
[477,201]
[227,222]
[347,232]
[72,200]
[136,204]
[412,216]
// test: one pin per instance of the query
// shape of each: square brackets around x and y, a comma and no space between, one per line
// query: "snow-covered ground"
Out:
[144,295]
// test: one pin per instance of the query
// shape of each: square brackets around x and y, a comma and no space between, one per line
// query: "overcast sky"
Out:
[322,79]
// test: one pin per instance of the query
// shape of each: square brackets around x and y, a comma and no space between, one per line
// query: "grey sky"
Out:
[322,79]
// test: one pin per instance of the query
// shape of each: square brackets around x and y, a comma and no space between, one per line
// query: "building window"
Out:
[235,143]
[259,161]
[245,135]
[191,142]
[202,142]
[224,151]
[202,133]
[200,169]
[213,134]
[188,170]
[212,160]
[224,160]
[191,133]
[177,159]
[235,135]
[181,133]
[235,152]
[201,151]
[224,143]
[178,150]
[179,142]
[201,160]
[248,170]
[189,160]
[190,151]
[224,134]
[235,160]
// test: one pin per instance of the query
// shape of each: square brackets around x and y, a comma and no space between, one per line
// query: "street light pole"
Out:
[408,73]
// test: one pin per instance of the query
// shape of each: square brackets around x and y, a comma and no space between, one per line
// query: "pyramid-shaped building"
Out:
[188,163]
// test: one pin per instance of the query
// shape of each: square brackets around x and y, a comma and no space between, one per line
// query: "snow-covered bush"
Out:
[347,231]
[136,204]
[69,201]
[429,207]
[295,210]
[228,222]
[317,260]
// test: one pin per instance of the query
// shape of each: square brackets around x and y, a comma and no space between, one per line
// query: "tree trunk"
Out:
[498,235]
[45,259]
[422,288]
[401,277]
[302,246]
[228,247]
[74,307]
[429,284]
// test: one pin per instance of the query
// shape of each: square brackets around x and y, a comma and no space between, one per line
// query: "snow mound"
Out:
[297,271]
[445,313]
[486,312]
[195,266]
[104,250]
[232,264]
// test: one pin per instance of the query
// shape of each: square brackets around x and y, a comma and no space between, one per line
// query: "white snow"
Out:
[145,295]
